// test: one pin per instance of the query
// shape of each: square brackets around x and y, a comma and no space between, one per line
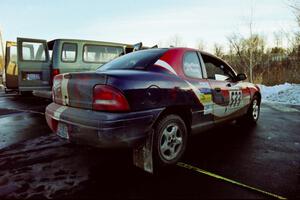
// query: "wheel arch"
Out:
[258,95]
[182,111]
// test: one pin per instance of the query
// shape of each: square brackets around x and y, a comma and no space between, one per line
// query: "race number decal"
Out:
[235,98]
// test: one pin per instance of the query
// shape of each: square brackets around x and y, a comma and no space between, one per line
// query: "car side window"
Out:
[216,69]
[69,52]
[191,65]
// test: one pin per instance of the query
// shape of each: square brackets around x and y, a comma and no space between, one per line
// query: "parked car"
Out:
[31,64]
[171,93]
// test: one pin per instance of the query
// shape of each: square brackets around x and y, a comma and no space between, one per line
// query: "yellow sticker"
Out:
[205,98]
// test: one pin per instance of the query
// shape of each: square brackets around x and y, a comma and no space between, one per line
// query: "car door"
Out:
[34,64]
[11,66]
[226,92]
[202,111]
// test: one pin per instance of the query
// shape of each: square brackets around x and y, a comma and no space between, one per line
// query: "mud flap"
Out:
[143,153]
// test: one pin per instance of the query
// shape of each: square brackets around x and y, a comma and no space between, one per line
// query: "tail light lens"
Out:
[56,91]
[53,74]
[52,123]
[107,98]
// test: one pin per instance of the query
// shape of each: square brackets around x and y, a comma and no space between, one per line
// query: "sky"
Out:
[151,22]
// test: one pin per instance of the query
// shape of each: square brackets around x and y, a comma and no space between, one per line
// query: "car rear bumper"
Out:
[102,129]
[31,88]
[43,93]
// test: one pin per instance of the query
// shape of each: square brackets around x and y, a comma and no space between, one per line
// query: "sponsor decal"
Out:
[204,94]
[205,98]
[204,85]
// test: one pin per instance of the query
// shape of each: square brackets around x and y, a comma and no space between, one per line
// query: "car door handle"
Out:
[218,89]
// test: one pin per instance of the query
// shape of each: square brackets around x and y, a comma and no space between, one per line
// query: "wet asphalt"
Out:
[34,163]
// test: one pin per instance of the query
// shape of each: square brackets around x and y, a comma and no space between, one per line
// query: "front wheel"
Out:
[252,115]
[170,140]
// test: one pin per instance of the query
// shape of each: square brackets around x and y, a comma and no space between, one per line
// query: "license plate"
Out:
[62,130]
[33,76]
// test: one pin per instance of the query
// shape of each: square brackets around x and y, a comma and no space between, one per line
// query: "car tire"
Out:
[252,115]
[170,140]
[26,93]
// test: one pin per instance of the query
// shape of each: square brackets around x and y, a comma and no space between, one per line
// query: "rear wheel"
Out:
[170,140]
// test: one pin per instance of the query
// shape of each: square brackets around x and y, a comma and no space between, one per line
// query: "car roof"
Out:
[202,52]
[51,42]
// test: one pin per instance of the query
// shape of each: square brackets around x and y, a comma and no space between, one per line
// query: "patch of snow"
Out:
[286,93]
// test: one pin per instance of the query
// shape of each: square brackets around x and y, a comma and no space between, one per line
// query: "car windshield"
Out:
[135,60]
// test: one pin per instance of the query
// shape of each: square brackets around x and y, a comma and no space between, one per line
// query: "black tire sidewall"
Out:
[160,126]
[250,111]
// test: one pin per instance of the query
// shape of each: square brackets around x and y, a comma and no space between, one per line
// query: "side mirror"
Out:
[241,77]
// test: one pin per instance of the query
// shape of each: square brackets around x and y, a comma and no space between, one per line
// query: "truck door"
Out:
[11,66]
[34,64]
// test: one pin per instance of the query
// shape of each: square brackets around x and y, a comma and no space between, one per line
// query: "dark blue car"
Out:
[164,94]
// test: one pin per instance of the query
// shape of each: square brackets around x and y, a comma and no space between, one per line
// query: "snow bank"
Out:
[285,93]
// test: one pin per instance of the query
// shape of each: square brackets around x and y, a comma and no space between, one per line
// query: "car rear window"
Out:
[135,60]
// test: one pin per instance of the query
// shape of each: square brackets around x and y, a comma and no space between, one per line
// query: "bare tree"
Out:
[251,44]
[236,45]
[246,51]
[218,50]
[175,41]
[201,45]
[278,37]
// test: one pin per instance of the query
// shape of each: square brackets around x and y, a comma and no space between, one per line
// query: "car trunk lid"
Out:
[76,89]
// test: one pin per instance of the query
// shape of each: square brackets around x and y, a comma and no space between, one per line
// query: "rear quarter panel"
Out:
[148,90]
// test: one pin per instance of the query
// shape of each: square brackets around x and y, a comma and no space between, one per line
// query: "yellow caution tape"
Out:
[187,166]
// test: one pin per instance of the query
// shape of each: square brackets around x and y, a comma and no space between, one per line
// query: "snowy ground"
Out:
[285,93]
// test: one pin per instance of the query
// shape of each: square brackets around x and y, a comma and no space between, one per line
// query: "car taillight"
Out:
[52,123]
[107,98]
[53,74]
[56,88]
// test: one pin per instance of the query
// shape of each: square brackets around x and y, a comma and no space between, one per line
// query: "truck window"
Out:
[33,51]
[69,52]
[100,54]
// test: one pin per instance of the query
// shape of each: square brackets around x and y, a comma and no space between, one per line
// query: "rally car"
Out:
[167,94]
